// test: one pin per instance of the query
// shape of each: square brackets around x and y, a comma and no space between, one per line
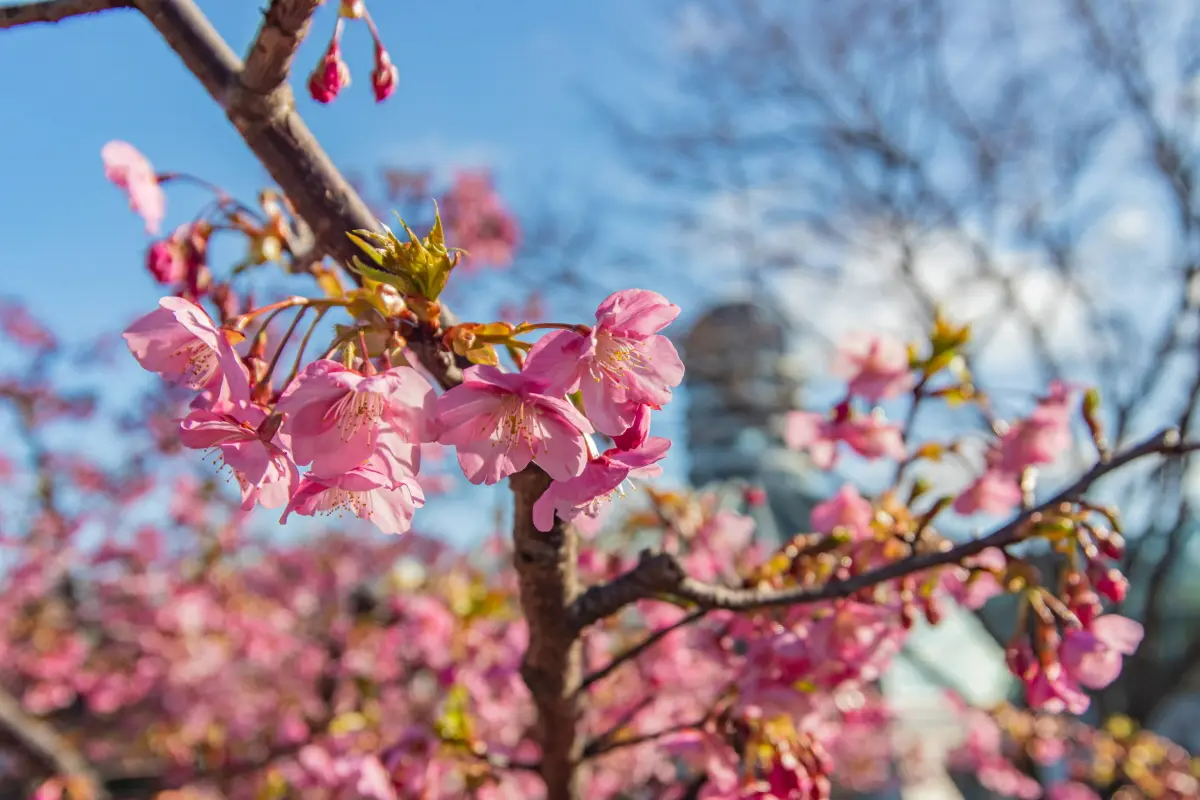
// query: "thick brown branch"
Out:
[54,11]
[546,570]
[45,744]
[660,573]
[269,59]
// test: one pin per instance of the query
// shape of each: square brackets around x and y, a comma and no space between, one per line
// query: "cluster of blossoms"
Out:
[1119,759]
[769,701]
[332,74]
[360,429]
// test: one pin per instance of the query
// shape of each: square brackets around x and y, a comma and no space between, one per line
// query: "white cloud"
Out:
[695,31]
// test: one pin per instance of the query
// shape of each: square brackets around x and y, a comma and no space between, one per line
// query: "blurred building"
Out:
[740,385]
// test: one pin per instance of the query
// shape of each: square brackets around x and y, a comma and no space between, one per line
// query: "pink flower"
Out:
[385,77]
[600,480]
[707,753]
[129,169]
[847,510]
[500,422]
[480,223]
[165,261]
[1039,438]
[1092,656]
[620,366]
[870,436]
[876,367]
[336,415]
[637,432]
[365,492]
[993,492]
[180,342]
[244,443]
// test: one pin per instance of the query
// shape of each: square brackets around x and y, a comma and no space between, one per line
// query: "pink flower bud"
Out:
[165,262]
[331,75]
[385,77]
[1110,583]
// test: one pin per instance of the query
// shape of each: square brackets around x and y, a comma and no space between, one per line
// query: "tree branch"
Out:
[639,648]
[54,11]
[45,744]
[269,59]
[659,574]
[546,565]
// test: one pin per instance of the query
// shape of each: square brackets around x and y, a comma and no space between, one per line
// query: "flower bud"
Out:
[1110,583]
[165,262]
[386,75]
[331,75]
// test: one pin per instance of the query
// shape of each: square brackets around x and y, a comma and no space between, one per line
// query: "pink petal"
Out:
[636,312]
[555,361]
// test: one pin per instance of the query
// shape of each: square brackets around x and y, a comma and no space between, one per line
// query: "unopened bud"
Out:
[385,77]
[331,75]
[1112,546]
[1110,583]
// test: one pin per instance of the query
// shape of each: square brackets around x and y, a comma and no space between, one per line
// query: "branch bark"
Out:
[546,565]
[54,11]
[46,745]
[660,574]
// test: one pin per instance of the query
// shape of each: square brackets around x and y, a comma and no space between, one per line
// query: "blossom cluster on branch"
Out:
[728,668]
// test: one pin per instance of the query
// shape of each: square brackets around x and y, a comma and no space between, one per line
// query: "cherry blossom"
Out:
[125,166]
[622,365]
[876,367]
[180,342]
[602,478]
[244,439]
[500,422]
[335,416]
[364,492]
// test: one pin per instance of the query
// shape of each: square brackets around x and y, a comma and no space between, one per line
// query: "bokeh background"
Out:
[788,172]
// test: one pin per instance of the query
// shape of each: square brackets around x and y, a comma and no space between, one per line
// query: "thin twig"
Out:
[660,574]
[639,648]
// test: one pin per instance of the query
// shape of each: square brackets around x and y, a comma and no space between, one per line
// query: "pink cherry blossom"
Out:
[600,480]
[623,364]
[500,422]
[181,342]
[637,432]
[335,416]
[875,366]
[1051,689]
[363,491]
[125,166]
[707,753]
[479,222]
[847,510]
[1041,437]
[1092,656]
[870,436]
[993,492]
[263,470]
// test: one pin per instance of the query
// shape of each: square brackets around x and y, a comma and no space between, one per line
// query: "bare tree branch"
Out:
[660,574]
[54,11]
[45,744]
[269,59]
